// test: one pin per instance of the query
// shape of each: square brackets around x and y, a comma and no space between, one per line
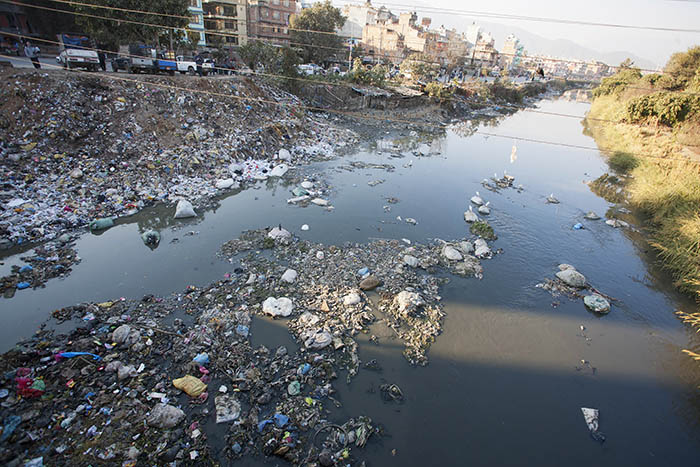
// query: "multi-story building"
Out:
[382,42]
[268,20]
[484,51]
[197,23]
[512,52]
[356,18]
[473,33]
[226,22]
[13,19]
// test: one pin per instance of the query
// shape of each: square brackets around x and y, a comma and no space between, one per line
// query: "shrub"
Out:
[361,74]
[622,162]
[617,82]
[439,90]
[665,107]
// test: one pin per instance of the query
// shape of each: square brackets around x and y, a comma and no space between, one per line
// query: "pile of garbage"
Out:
[157,381]
[49,260]
[323,290]
[74,148]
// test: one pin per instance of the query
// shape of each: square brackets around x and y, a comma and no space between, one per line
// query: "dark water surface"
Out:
[502,387]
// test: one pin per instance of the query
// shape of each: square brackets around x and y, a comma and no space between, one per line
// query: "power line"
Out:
[462,100]
[125,10]
[216,33]
[365,117]
[536,18]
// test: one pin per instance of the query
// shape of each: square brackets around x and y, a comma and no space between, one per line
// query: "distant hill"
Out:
[536,45]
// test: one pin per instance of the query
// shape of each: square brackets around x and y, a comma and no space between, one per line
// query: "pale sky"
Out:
[656,46]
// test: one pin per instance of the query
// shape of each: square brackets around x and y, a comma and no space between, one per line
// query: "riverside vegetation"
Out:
[649,126]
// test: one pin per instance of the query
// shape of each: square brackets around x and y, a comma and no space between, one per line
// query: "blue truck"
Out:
[140,58]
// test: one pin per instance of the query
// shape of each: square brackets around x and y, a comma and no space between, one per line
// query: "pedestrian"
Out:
[103,60]
[32,53]
[199,60]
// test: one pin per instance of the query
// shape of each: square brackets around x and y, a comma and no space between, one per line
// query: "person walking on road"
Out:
[199,60]
[32,53]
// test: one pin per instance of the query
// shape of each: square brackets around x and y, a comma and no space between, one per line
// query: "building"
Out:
[197,23]
[226,22]
[512,53]
[473,33]
[268,20]
[357,17]
[13,19]
[484,52]
[382,42]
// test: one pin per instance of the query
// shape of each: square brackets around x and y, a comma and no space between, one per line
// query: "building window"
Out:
[276,14]
[286,3]
[275,2]
[230,25]
[196,19]
[229,11]
[194,3]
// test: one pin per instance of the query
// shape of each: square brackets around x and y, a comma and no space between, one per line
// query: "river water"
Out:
[505,383]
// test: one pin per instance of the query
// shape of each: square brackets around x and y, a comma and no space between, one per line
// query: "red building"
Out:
[268,20]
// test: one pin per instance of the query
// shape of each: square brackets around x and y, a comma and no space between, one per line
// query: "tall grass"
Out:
[663,185]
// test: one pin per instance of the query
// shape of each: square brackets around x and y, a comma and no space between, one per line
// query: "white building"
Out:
[473,33]
[357,17]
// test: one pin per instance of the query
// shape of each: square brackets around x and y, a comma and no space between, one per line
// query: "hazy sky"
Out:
[656,46]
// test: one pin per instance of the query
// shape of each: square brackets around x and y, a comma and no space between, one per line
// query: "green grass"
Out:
[662,183]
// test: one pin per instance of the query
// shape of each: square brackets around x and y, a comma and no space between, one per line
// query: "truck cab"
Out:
[144,58]
[77,51]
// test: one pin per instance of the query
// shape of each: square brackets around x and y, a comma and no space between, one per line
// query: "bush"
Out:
[505,92]
[617,82]
[622,162]
[665,107]
[683,66]
[360,74]
[439,90]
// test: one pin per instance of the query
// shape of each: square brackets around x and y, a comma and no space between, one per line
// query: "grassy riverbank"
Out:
[650,129]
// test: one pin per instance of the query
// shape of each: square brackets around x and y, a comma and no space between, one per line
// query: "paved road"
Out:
[47,62]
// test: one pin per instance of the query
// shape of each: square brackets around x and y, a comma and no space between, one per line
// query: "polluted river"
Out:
[503,380]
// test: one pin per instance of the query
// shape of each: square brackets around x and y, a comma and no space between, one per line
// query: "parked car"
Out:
[77,51]
[311,69]
[120,63]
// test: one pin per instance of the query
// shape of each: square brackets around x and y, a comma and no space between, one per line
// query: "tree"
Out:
[322,17]
[421,67]
[281,61]
[684,66]
[172,15]
[627,63]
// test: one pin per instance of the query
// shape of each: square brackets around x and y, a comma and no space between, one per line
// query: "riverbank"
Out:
[510,350]
[659,169]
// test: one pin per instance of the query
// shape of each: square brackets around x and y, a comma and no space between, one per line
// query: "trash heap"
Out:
[323,289]
[50,260]
[74,148]
[135,385]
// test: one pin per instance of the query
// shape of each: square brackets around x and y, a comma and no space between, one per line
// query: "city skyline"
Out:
[655,46]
